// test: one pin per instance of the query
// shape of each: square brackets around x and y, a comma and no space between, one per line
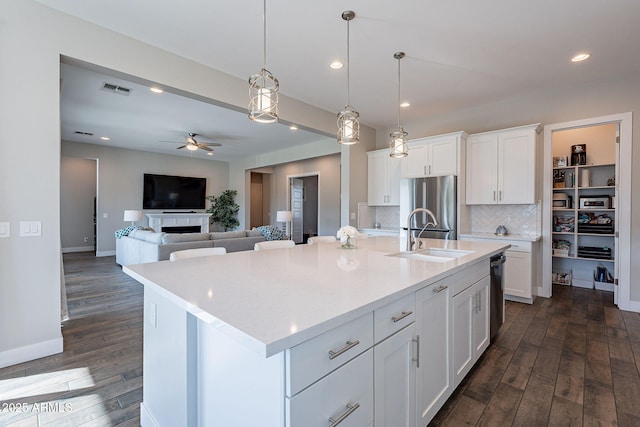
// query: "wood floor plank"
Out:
[502,407]
[535,405]
[570,379]
[466,412]
[565,413]
[521,365]
[626,385]
[599,404]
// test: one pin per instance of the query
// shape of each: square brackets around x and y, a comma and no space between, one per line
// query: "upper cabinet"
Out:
[384,179]
[433,156]
[502,165]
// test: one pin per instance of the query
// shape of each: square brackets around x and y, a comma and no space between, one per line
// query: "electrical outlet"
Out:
[353,215]
[86,240]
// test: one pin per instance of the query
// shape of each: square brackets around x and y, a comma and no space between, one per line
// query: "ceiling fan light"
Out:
[192,147]
[263,97]
[398,147]
[348,126]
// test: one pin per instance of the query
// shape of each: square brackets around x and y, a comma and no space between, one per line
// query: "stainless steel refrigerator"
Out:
[439,195]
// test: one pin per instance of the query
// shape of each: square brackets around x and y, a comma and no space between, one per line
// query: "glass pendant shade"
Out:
[348,126]
[263,87]
[398,146]
[263,97]
[192,147]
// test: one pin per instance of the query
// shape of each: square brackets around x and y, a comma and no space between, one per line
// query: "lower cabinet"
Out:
[433,331]
[471,337]
[394,373]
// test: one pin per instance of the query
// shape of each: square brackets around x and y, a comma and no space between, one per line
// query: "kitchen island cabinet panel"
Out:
[433,325]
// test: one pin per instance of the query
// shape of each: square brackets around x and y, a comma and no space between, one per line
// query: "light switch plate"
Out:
[5,229]
[30,228]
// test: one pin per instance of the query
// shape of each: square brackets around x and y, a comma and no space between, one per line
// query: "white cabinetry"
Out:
[383,179]
[502,166]
[394,363]
[433,327]
[470,310]
[519,274]
[433,156]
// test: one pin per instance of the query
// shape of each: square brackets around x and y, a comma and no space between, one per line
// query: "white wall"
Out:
[120,177]
[77,193]
[30,185]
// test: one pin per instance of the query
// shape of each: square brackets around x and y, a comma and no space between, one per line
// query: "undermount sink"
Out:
[433,254]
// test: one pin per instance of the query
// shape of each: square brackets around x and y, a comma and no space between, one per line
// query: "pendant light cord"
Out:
[348,78]
[264,32]
[398,92]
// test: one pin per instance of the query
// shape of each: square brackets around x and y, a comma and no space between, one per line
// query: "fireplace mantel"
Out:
[160,221]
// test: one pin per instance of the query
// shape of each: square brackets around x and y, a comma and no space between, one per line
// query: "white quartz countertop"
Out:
[518,237]
[275,299]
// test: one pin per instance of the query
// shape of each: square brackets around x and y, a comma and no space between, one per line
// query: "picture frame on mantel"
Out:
[561,161]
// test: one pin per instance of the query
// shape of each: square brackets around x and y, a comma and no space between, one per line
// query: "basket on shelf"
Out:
[561,277]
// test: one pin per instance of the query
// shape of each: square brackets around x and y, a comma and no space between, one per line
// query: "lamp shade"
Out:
[132,215]
[284,216]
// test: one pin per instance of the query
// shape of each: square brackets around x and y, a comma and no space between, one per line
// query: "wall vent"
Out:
[110,87]
[79,132]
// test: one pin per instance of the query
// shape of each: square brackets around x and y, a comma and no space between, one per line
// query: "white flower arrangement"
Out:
[345,234]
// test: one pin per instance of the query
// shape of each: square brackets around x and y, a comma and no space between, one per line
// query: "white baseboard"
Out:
[106,253]
[146,419]
[78,249]
[31,352]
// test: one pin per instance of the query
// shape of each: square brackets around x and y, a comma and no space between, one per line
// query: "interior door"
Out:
[297,186]
[616,253]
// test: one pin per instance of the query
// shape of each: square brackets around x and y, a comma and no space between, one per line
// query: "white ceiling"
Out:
[460,54]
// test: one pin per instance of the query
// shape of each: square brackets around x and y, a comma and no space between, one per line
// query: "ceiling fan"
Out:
[191,144]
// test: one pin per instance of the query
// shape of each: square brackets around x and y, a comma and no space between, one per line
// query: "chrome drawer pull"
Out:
[350,344]
[439,289]
[350,409]
[401,316]
[417,358]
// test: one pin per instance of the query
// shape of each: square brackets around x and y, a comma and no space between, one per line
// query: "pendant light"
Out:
[398,145]
[263,87]
[348,125]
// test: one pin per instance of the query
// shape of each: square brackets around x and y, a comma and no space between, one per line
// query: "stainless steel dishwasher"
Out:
[496,310]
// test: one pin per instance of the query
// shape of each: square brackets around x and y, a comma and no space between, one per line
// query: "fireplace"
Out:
[182,229]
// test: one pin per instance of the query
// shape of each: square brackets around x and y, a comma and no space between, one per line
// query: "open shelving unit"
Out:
[584,216]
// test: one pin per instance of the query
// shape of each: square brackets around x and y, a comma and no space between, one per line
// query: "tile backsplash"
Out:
[387,216]
[519,219]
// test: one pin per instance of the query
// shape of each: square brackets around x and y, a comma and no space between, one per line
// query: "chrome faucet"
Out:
[434,223]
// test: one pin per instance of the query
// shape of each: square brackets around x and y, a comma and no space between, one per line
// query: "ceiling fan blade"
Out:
[174,142]
[204,147]
[211,144]
[182,146]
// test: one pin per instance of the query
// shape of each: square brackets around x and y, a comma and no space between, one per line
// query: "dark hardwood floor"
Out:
[97,380]
[571,360]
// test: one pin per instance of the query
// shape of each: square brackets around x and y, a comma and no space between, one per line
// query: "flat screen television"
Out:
[173,192]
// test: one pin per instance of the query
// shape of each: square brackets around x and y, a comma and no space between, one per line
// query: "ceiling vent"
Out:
[110,87]
[79,132]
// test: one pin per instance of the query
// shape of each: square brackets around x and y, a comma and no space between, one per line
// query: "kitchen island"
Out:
[295,337]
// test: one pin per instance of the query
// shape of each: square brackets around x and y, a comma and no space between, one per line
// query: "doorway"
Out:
[303,203]
[621,162]
[260,196]
[78,198]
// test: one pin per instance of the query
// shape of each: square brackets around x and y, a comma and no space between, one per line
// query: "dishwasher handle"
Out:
[498,260]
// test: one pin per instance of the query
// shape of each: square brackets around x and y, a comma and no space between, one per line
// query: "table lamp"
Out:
[286,217]
[132,215]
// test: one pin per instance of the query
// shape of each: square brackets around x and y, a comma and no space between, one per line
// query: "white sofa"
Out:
[142,246]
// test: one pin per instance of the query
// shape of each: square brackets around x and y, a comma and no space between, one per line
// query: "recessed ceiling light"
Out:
[581,57]
[405,104]
[105,138]
[336,65]
[293,127]
[156,90]
[209,153]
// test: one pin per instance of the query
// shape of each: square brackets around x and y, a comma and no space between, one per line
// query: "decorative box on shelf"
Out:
[563,224]
[561,277]
[561,247]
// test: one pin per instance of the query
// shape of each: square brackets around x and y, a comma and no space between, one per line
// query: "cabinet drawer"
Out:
[394,316]
[519,246]
[470,275]
[315,358]
[352,385]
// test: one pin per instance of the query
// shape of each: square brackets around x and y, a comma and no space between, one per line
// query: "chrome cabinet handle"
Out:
[500,195]
[429,169]
[350,409]
[494,194]
[335,353]
[401,316]
[439,289]
[425,169]
[417,358]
